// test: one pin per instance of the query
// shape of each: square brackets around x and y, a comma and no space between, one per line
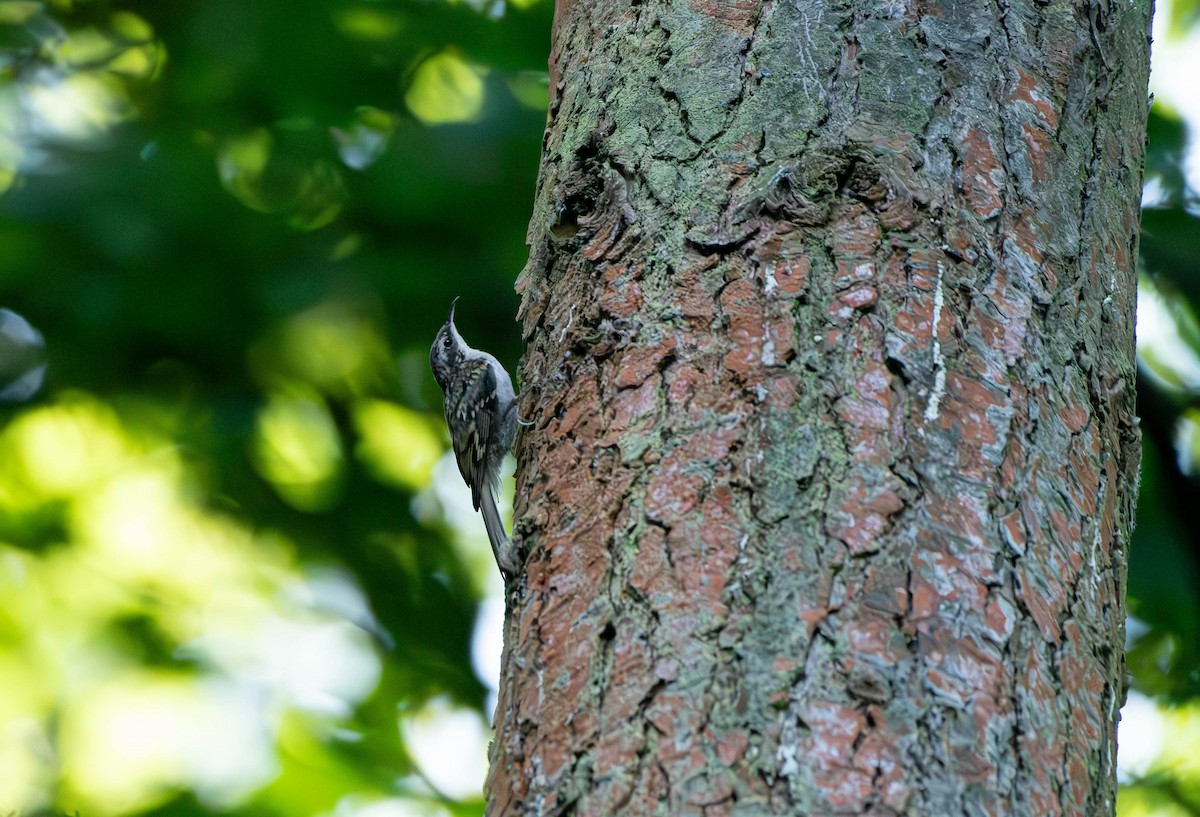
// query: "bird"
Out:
[481,415]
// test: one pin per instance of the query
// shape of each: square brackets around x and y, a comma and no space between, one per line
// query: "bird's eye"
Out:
[447,343]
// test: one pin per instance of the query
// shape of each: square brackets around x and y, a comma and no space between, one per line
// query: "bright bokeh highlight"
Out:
[399,446]
[137,549]
[450,746]
[446,89]
[297,449]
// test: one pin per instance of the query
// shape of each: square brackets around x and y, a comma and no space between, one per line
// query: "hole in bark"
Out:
[609,632]
[566,227]
[896,367]
[580,191]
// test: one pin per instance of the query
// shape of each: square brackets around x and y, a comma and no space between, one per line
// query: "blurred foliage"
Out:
[1182,15]
[1160,729]
[1164,576]
[238,571]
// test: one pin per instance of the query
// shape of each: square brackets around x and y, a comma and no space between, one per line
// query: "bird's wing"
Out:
[471,451]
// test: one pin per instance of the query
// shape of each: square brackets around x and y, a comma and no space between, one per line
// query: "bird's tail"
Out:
[502,546]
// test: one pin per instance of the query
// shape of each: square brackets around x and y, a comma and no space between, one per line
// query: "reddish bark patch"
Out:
[788,277]
[828,749]
[916,321]
[879,755]
[874,640]
[674,489]
[969,413]
[641,361]
[731,746]
[694,296]
[758,341]
[737,15]
[1084,485]
[856,233]
[1033,92]
[845,304]
[632,406]
[683,380]
[1013,528]
[853,271]
[982,174]
[1041,149]
[703,572]
[621,295]
[866,409]
[1000,618]
[862,515]
[1035,599]
[652,576]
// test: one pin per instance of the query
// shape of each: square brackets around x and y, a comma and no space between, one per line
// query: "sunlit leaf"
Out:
[1183,15]
[141,61]
[15,12]
[8,172]
[296,449]
[530,88]
[60,450]
[241,162]
[346,247]
[85,47]
[76,106]
[397,445]
[444,89]
[1148,801]
[309,191]
[23,756]
[361,22]
[1182,736]
[318,196]
[312,777]
[334,347]
[130,26]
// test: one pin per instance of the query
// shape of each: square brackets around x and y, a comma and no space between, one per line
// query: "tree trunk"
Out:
[833,457]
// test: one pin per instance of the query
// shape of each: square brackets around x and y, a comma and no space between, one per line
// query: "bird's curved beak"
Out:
[452,303]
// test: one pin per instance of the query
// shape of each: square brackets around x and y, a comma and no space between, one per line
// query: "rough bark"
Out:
[832,465]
